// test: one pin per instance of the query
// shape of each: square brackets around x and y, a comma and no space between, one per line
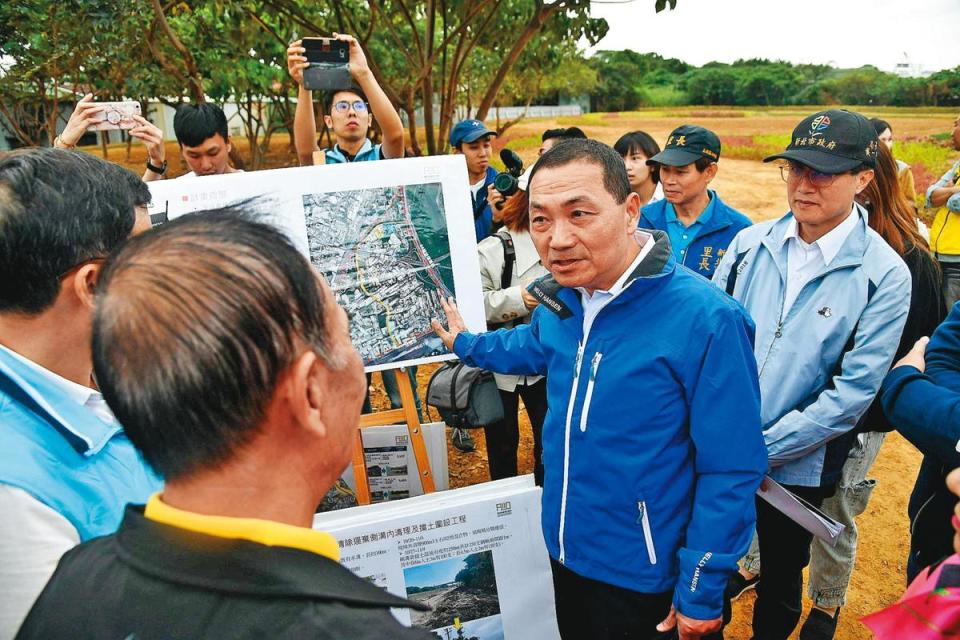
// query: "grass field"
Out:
[757,190]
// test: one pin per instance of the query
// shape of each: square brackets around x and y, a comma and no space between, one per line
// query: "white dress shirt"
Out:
[804,261]
[595,302]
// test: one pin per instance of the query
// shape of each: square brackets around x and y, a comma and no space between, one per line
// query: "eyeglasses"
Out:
[796,172]
[343,106]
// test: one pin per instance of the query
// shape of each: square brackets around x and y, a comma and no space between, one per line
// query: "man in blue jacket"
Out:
[66,467]
[830,300]
[652,448]
[699,224]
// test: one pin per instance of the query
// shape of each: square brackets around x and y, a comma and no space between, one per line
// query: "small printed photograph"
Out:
[462,595]
[484,629]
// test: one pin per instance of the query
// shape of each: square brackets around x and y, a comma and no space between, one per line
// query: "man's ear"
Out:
[306,387]
[632,206]
[328,121]
[863,179]
[711,171]
[85,283]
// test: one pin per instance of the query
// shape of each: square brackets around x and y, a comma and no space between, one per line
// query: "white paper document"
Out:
[391,238]
[475,555]
[802,512]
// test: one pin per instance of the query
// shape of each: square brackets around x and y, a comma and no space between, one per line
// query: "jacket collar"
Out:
[527,255]
[336,152]
[850,254]
[85,432]
[659,261]
[241,567]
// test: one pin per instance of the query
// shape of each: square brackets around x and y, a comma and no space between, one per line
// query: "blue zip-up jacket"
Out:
[651,446]
[709,246]
[65,456]
[482,214]
[822,363]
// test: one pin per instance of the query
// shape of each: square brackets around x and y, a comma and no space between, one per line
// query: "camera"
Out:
[507,182]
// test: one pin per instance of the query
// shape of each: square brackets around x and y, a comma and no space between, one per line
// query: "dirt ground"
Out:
[757,190]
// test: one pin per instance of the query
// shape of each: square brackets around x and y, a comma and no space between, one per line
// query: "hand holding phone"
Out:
[116,115]
[328,66]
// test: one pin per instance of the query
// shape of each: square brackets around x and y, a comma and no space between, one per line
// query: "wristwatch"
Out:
[162,169]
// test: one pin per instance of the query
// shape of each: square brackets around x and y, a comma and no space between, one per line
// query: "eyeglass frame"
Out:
[359,106]
[806,172]
[79,265]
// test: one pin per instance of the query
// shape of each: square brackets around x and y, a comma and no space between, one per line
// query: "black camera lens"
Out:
[506,184]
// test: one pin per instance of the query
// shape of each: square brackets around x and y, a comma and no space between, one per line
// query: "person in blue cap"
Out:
[699,224]
[472,139]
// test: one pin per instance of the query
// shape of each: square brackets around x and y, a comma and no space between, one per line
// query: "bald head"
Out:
[195,322]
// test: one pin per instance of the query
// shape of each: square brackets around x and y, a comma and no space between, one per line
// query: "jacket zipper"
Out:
[566,445]
[644,520]
[594,366]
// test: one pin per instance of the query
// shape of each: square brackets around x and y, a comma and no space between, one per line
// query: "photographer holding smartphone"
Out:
[349,112]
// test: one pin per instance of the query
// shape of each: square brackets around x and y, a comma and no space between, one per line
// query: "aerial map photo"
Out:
[386,255]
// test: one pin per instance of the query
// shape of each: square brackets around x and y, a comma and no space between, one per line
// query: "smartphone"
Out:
[116,115]
[329,64]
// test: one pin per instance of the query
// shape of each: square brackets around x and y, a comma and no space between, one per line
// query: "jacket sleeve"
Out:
[943,352]
[499,305]
[953,202]
[731,458]
[927,414]
[515,351]
[838,408]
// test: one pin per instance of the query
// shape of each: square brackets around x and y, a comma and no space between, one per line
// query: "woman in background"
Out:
[636,148]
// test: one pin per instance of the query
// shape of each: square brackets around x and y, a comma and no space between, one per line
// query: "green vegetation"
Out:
[628,80]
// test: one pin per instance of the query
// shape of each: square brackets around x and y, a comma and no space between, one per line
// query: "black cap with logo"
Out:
[833,141]
[687,144]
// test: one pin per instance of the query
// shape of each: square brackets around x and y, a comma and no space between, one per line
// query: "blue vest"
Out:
[65,456]
[705,251]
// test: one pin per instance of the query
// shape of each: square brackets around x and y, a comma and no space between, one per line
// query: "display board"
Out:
[391,238]
[475,555]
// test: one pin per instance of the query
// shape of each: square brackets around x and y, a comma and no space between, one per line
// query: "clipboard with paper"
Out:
[800,511]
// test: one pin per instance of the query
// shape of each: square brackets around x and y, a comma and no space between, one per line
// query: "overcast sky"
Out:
[844,33]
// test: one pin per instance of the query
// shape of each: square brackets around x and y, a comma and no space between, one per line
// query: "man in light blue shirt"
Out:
[66,468]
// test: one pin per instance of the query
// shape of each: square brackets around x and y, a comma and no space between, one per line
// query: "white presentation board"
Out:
[391,237]
[475,555]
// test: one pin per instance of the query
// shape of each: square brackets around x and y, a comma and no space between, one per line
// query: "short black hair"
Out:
[880,125]
[571,133]
[330,95]
[615,179]
[630,143]
[702,163]
[634,141]
[195,322]
[194,123]
[58,209]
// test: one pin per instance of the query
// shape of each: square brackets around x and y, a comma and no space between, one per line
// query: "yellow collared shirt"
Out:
[274,534]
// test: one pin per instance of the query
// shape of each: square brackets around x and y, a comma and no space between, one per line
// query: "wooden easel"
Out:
[407,413]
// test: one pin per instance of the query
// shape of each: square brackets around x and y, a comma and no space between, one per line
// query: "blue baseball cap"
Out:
[468,131]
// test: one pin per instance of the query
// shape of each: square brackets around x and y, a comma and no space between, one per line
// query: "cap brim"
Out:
[817,160]
[675,158]
[473,136]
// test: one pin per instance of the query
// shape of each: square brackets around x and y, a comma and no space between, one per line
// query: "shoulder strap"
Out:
[509,258]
